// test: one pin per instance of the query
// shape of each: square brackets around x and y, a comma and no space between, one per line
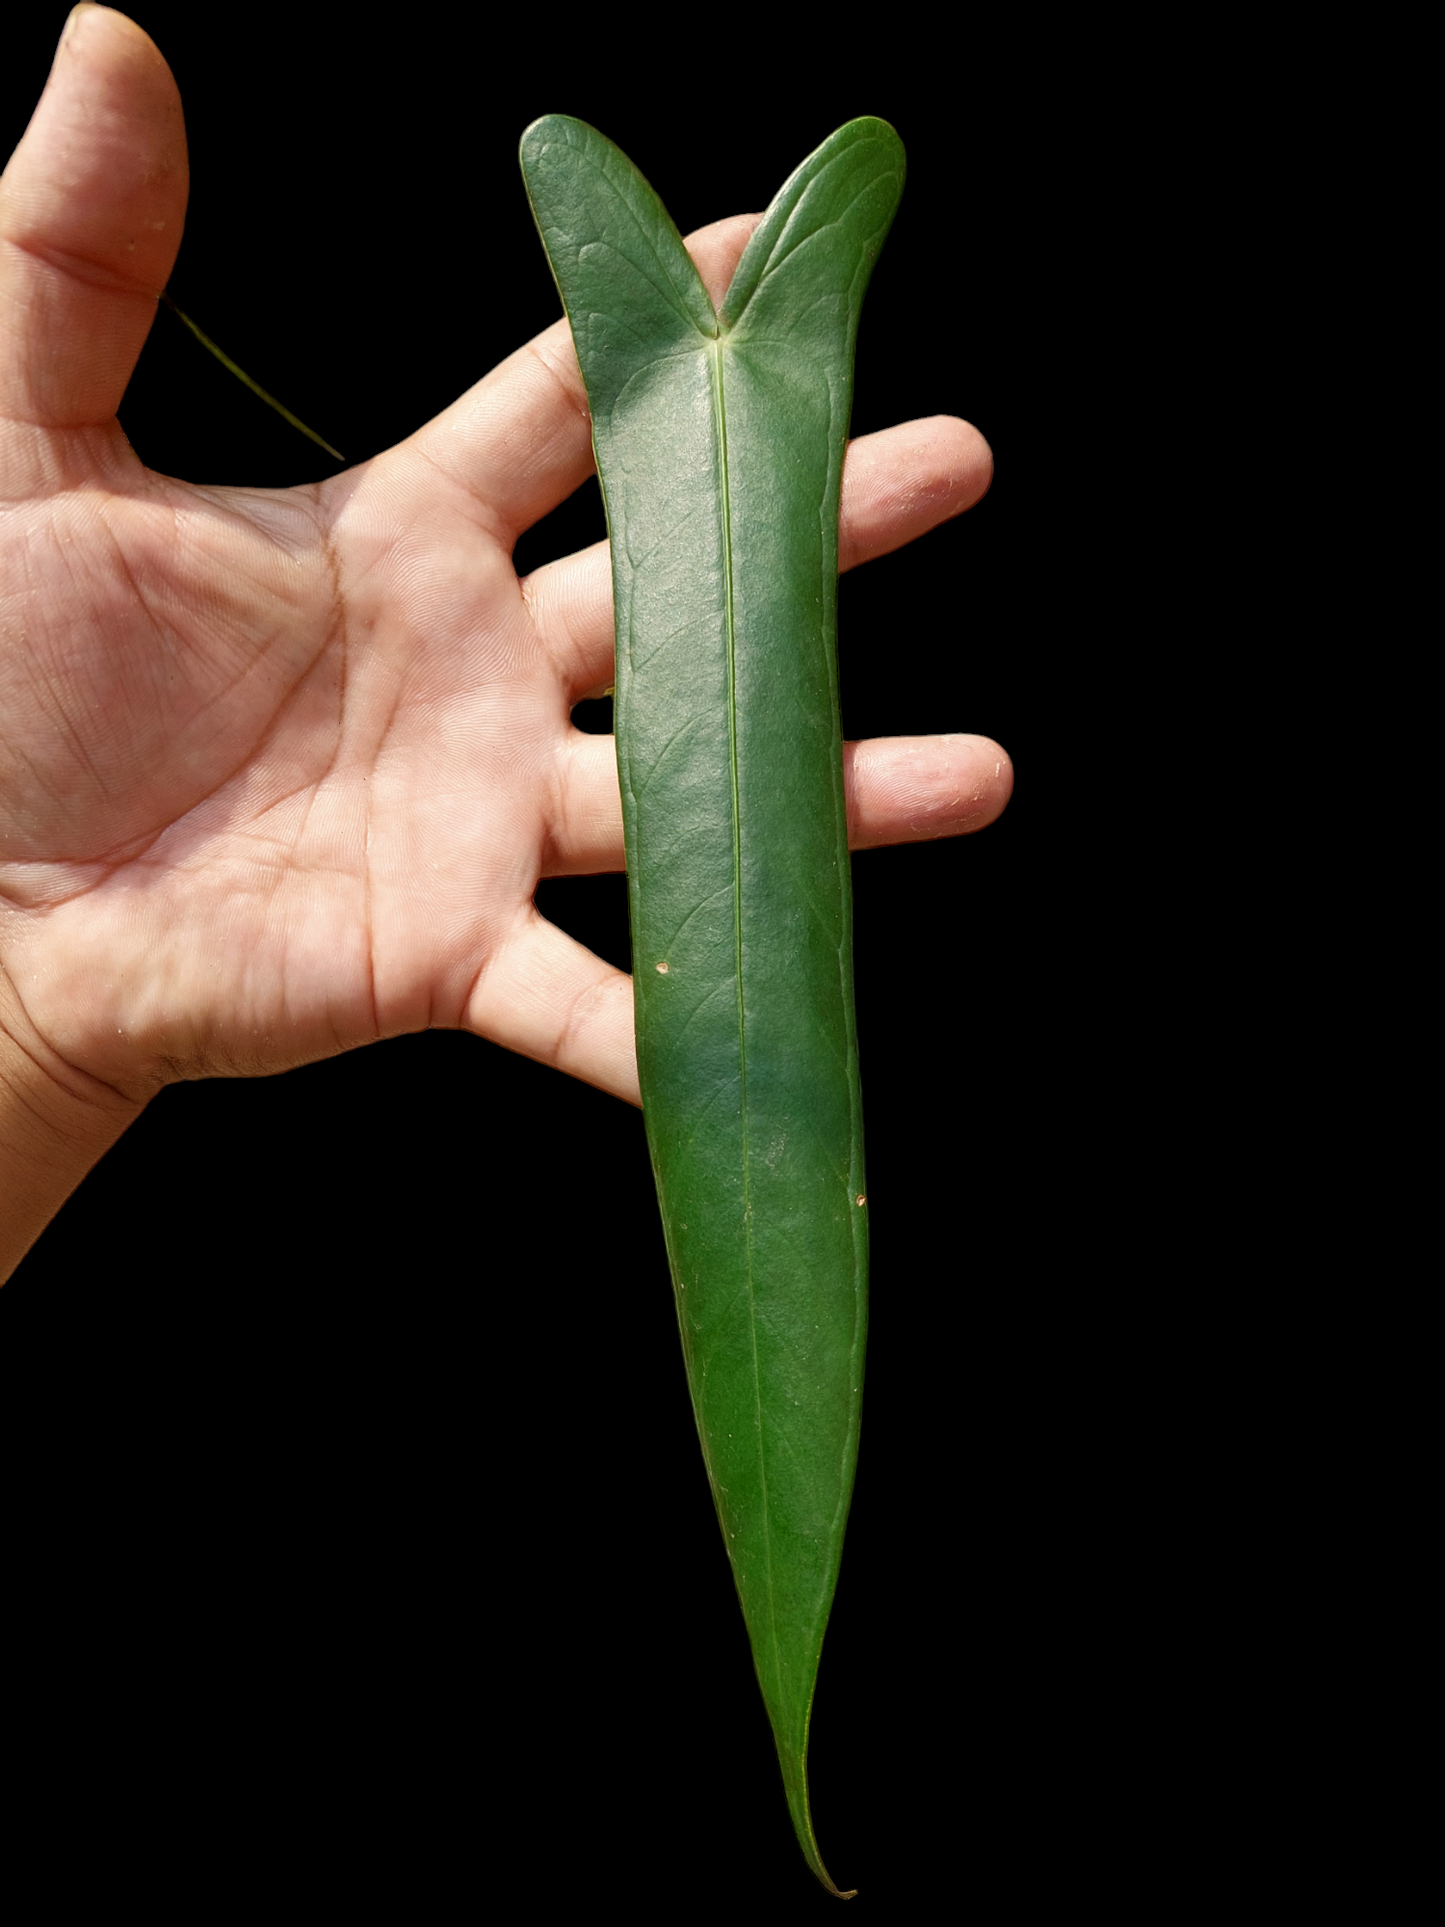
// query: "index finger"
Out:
[520,441]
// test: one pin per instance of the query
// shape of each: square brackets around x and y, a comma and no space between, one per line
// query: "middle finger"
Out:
[897,485]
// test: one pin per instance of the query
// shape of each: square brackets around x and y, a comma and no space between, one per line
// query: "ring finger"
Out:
[901,789]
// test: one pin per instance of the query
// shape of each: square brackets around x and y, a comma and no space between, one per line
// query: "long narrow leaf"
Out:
[719,442]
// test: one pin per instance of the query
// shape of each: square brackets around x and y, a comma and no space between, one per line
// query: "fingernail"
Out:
[70,20]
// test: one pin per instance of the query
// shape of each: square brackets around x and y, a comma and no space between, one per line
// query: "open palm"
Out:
[279,772]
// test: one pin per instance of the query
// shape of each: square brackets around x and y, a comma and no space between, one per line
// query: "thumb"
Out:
[91,210]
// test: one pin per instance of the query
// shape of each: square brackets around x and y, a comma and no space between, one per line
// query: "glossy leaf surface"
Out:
[719,440]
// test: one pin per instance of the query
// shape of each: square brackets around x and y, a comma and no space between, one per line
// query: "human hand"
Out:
[280,771]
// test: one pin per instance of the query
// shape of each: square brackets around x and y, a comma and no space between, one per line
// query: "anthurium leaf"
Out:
[719,440]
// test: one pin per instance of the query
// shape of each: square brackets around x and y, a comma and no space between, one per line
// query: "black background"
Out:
[377,1501]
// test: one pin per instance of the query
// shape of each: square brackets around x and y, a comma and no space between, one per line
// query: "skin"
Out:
[280,770]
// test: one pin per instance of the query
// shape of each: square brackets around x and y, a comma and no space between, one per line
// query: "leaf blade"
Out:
[719,448]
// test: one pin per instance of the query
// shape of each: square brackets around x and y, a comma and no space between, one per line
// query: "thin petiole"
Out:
[255,386]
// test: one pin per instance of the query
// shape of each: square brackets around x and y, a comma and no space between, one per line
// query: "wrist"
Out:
[55,1124]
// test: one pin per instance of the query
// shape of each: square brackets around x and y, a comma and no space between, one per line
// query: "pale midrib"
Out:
[720,417]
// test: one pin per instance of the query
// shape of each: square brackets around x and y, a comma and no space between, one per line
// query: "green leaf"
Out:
[719,442]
